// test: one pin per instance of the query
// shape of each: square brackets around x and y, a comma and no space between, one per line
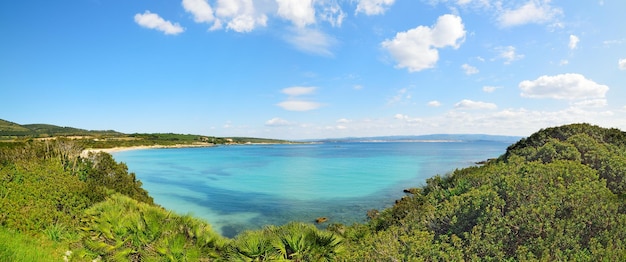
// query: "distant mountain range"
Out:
[425,138]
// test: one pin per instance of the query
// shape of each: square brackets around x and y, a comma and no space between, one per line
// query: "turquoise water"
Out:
[249,186]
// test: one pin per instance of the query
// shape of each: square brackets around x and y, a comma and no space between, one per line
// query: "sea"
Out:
[242,187]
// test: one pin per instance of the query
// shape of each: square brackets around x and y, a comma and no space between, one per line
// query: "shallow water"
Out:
[248,186]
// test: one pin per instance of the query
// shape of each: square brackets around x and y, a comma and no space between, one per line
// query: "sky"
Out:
[302,69]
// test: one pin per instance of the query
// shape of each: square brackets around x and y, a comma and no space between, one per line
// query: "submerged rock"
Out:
[320,220]
[411,190]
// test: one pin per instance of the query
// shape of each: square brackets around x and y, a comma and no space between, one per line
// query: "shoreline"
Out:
[111,150]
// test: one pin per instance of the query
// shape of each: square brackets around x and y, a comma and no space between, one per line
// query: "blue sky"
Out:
[296,69]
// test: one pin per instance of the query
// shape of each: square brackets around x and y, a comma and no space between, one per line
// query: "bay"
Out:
[240,187]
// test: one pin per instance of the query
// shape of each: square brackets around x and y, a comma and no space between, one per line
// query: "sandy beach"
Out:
[86,152]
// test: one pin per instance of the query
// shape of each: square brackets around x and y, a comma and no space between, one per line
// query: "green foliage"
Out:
[18,247]
[102,173]
[36,195]
[291,242]
[123,229]
[559,194]
[45,186]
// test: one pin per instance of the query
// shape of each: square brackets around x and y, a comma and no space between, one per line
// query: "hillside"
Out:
[6,126]
[558,195]
[10,130]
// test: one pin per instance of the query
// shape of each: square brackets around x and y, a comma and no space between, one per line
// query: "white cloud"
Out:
[469,70]
[300,12]
[534,11]
[373,7]
[466,104]
[434,103]
[154,21]
[594,103]
[200,9]
[509,54]
[311,41]
[293,103]
[241,15]
[332,13]
[564,86]
[621,64]
[407,118]
[614,42]
[299,105]
[401,95]
[490,89]
[299,90]
[563,62]
[237,15]
[278,122]
[573,42]
[522,121]
[343,121]
[416,49]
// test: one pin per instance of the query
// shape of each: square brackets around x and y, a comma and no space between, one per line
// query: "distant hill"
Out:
[426,138]
[110,138]
[11,130]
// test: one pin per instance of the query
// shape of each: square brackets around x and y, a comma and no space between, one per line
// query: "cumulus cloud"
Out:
[299,105]
[509,54]
[573,42]
[434,103]
[240,15]
[300,12]
[621,64]
[466,104]
[416,49]
[276,121]
[534,11]
[154,21]
[200,9]
[469,70]
[564,86]
[373,7]
[244,16]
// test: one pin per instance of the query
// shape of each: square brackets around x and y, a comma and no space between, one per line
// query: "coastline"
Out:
[111,150]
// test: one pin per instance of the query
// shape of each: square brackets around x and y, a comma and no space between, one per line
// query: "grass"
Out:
[18,247]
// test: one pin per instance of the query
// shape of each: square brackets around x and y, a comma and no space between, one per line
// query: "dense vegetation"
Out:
[556,195]
[559,194]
